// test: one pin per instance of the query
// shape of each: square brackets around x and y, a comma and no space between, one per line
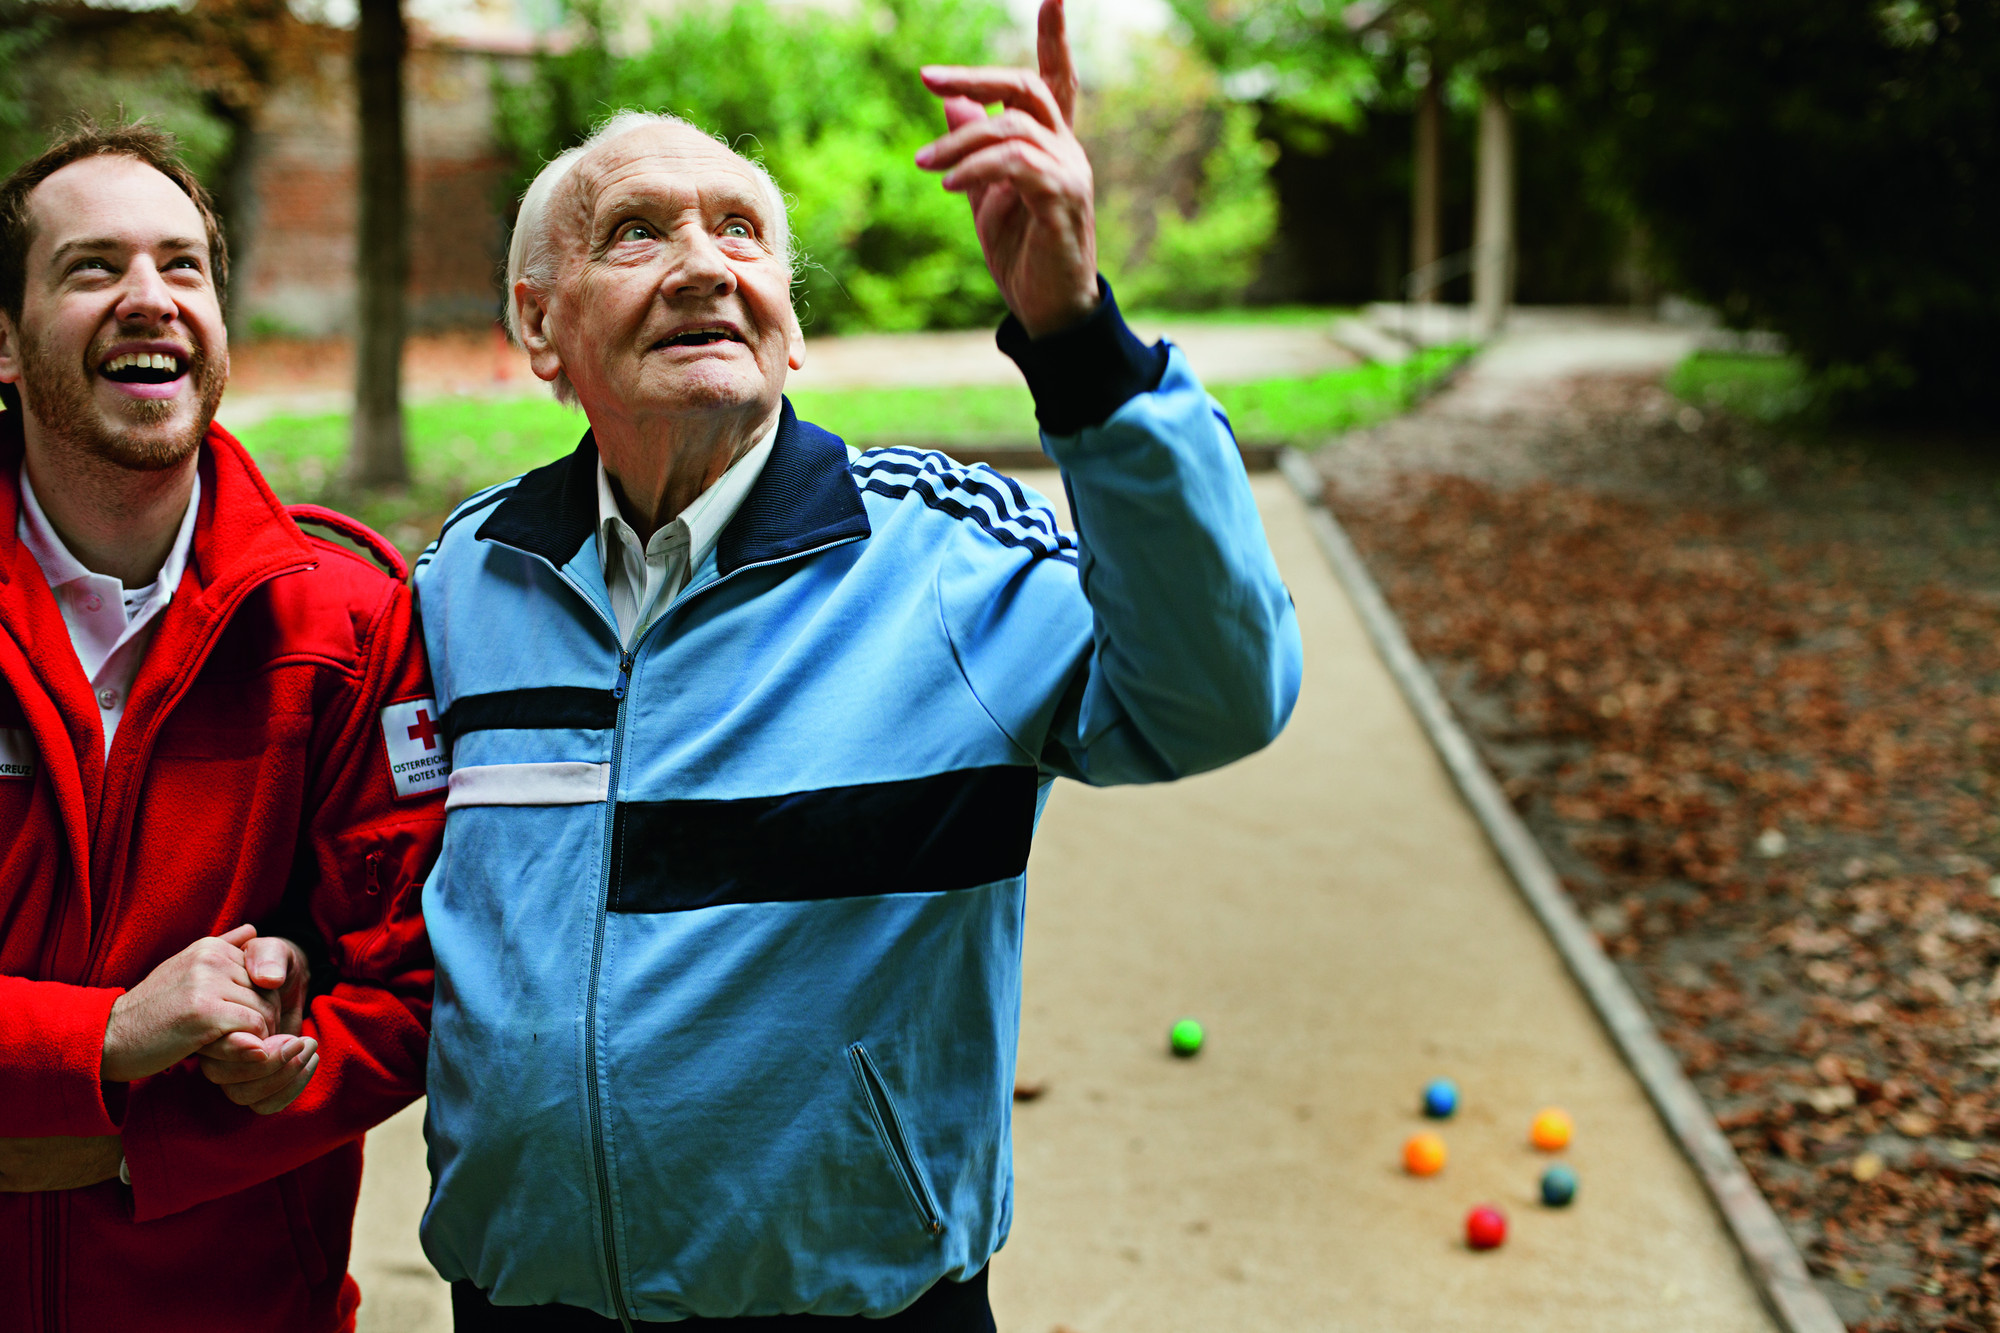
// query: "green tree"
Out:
[201,71]
[382,246]
[1826,168]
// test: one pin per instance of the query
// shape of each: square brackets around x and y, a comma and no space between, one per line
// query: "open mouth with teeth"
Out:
[699,338]
[145,367]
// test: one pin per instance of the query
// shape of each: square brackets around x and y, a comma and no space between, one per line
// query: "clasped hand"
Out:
[234,1000]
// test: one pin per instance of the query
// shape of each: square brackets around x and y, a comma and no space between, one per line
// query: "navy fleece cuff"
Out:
[1083,374]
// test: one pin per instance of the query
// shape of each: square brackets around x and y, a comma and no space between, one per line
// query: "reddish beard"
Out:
[60,394]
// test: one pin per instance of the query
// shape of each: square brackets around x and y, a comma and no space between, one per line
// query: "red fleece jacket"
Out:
[249,781]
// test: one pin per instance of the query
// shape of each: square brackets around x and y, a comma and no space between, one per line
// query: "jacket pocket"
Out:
[889,1126]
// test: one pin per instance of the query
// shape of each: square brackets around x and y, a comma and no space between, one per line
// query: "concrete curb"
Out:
[1773,1261]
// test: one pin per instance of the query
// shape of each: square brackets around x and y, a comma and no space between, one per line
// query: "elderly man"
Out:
[750,737]
[202,713]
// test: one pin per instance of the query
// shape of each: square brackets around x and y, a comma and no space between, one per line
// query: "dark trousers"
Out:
[948,1307]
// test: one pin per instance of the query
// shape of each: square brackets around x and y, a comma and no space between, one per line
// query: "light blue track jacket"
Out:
[728,927]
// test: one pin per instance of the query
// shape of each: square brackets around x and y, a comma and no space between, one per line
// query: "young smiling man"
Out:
[211,729]
[751,731]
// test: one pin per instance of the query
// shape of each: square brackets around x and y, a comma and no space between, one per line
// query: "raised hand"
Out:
[267,1073]
[1026,176]
[200,995]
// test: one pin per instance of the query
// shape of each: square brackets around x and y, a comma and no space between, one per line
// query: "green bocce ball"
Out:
[1185,1037]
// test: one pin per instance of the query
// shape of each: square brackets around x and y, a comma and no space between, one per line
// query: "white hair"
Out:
[531,253]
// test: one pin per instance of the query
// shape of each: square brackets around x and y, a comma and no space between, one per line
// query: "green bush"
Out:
[1185,205]
[1206,259]
[1762,388]
[833,105]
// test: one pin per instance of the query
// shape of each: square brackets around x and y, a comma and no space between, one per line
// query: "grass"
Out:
[972,414]
[458,445]
[1304,412]
[1769,389]
[1297,411]
[1318,316]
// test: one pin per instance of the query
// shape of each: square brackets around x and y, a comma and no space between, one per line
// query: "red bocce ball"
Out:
[1485,1227]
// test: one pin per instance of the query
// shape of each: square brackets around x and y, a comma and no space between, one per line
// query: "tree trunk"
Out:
[1493,222]
[1425,221]
[382,253]
[235,195]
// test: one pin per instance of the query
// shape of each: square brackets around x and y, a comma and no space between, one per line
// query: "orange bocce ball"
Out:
[1423,1155]
[1551,1130]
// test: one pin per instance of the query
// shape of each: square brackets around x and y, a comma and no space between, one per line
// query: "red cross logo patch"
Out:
[419,755]
[425,730]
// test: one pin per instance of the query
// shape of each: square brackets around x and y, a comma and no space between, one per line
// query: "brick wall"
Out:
[296,273]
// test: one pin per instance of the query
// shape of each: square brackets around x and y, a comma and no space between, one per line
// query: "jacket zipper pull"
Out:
[624,675]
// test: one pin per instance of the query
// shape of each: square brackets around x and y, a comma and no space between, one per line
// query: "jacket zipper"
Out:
[606,1219]
[890,1126]
[620,690]
[366,949]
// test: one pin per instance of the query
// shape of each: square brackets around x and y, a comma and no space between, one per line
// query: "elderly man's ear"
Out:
[532,319]
[795,339]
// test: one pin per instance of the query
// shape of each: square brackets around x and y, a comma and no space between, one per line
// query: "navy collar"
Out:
[552,511]
[805,498]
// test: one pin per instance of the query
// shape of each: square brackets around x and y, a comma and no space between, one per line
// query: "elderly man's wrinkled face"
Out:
[671,298]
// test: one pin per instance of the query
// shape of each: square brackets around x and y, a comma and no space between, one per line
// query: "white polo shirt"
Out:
[109,627]
[643,581]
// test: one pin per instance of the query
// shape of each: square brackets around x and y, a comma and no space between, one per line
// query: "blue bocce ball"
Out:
[1440,1098]
[1558,1186]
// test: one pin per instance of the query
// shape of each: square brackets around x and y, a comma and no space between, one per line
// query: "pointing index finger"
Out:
[1052,54]
[1019,89]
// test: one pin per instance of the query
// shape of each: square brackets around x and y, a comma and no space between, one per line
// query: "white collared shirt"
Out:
[109,627]
[644,581]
